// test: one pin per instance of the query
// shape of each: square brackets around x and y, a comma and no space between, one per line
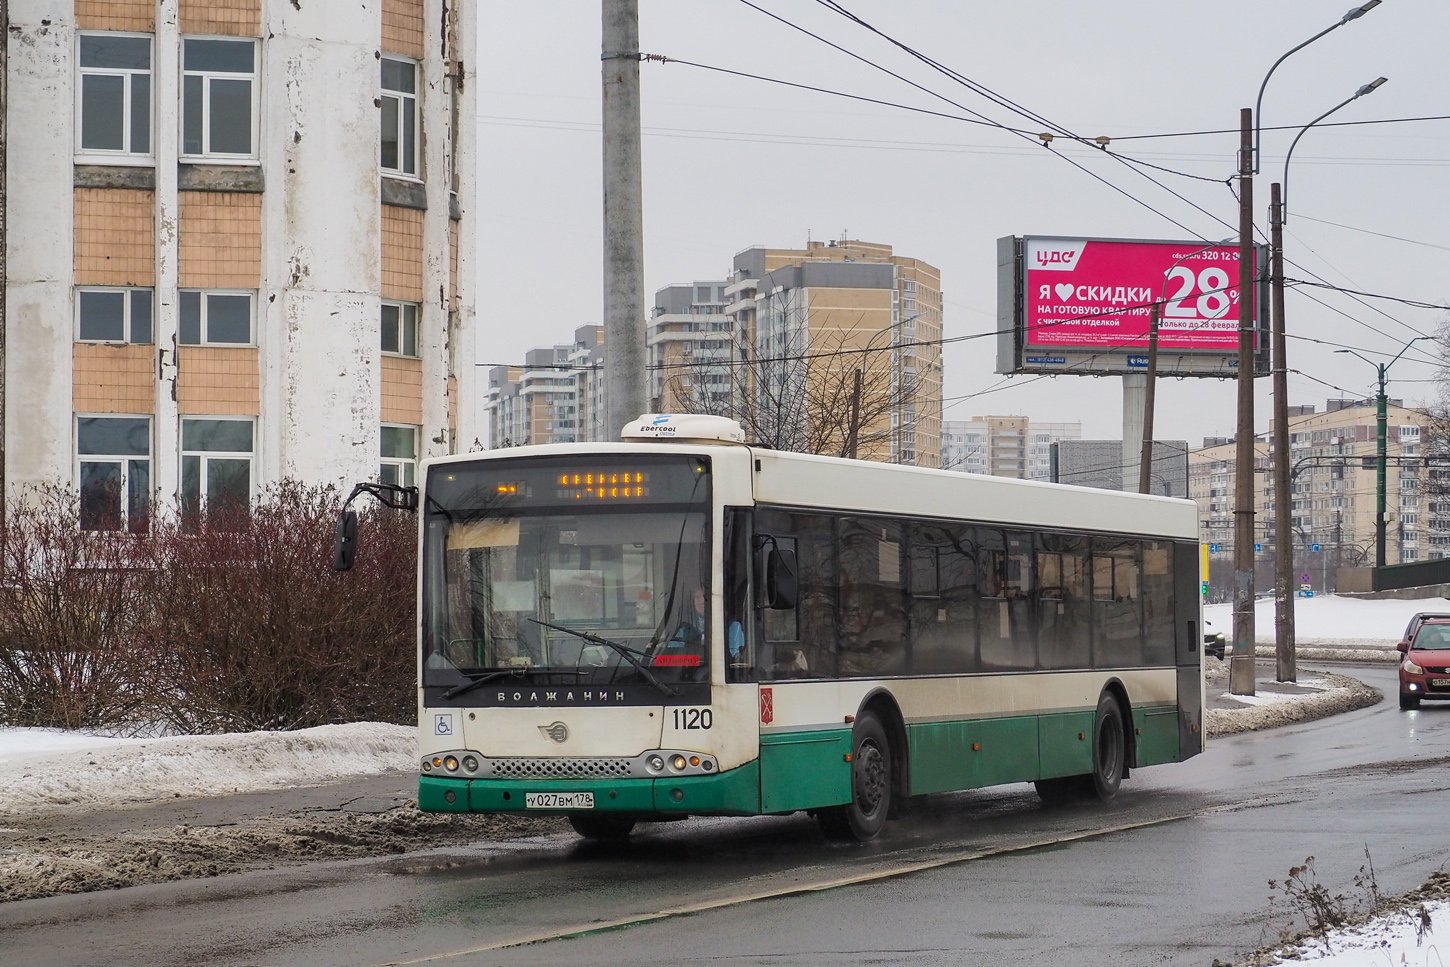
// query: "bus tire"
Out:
[602,826]
[864,816]
[1110,748]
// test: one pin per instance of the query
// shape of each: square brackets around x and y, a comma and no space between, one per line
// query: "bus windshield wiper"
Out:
[624,651]
[494,676]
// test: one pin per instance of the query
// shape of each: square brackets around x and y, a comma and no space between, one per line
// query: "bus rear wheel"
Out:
[602,826]
[864,816]
[1110,748]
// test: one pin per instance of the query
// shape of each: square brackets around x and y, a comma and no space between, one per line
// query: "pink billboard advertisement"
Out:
[1089,294]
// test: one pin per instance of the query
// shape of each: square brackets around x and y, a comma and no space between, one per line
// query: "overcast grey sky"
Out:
[731,162]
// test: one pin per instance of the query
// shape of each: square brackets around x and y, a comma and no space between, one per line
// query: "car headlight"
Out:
[1412,668]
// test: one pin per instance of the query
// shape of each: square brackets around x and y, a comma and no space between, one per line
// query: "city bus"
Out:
[681,624]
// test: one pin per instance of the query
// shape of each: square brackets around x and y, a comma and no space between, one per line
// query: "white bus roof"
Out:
[863,486]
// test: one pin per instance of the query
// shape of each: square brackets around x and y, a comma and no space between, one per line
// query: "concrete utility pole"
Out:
[1241,667]
[4,237]
[624,323]
[1285,662]
[1145,462]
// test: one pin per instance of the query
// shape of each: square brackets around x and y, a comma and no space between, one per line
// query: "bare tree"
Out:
[833,395]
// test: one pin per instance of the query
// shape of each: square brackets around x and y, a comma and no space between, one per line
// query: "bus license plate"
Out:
[559,800]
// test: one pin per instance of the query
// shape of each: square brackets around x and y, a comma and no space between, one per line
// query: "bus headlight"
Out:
[451,763]
[678,763]
[470,764]
[655,763]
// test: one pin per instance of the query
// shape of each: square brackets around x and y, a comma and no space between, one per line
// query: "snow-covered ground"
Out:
[43,769]
[1387,941]
[1332,620]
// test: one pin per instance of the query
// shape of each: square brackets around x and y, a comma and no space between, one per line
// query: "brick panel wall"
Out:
[115,237]
[403,27]
[402,254]
[402,387]
[113,379]
[235,18]
[220,243]
[217,381]
[136,16]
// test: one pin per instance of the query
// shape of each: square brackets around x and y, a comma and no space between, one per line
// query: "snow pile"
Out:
[1332,621]
[41,769]
[1274,705]
[1400,938]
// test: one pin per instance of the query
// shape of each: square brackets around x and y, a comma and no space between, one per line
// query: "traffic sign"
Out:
[1306,594]
[1258,548]
[1314,548]
[1214,548]
[1305,577]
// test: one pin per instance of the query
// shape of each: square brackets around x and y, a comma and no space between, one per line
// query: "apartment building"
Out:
[556,396]
[1333,458]
[1004,446]
[240,245]
[805,320]
[690,344]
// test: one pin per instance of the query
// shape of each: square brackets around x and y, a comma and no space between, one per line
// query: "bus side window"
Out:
[740,644]
[801,642]
[872,611]
[944,599]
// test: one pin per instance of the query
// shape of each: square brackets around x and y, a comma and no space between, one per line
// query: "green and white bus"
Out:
[684,624]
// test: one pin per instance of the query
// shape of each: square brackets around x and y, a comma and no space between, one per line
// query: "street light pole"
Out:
[1284,651]
[1381,444]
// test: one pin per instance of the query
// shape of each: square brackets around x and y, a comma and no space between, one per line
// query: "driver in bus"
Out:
[688,639]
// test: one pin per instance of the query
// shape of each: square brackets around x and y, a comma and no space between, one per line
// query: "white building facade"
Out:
[240,245]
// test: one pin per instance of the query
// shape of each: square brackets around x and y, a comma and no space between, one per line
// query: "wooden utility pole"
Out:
[624,322]
[1241,667]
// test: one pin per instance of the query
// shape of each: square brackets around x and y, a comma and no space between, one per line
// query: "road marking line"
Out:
[854,879]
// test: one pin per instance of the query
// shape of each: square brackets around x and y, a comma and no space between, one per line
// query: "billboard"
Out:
[1083,306]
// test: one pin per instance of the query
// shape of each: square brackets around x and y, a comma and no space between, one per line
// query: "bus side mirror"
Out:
[344,548]
[777,578]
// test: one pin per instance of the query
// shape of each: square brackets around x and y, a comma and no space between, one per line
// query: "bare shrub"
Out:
[258,631]
[218,621]
[68,617]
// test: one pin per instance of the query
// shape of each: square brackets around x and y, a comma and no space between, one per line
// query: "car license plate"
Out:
[559,800]
[1440,683]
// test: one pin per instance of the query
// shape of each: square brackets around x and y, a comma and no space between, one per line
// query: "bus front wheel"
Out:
[864,816]
[1110,748]
[603,826]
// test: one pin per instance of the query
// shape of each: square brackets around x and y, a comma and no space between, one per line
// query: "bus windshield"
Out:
[567,570]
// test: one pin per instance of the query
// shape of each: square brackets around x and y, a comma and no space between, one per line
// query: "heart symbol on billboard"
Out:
[1064,290]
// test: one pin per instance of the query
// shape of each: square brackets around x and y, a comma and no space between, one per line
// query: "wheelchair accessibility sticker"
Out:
[443,724]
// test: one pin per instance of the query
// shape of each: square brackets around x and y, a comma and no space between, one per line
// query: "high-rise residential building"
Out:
[1334,467]
[807,320]
[556,396]
[241,246]
[1004,446]
[691,344]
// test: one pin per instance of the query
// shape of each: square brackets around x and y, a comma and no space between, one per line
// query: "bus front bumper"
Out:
[735,792]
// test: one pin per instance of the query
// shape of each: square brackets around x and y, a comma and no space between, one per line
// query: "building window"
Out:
[218,110]
[400,328]
[400,455]
[215,318]
[400,117]
[113,464]
[114,315]
[114,113]
[216,465]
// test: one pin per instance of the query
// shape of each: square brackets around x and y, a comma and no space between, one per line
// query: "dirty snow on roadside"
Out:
[1414,934]
[42,769]
[1332,620]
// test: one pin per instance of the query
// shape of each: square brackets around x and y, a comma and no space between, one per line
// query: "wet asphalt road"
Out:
[1174,871]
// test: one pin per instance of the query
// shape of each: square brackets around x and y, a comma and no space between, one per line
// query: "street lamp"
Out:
[1283,486]
[1241,667]
[1353,14]
[1381,416]
[1145,459]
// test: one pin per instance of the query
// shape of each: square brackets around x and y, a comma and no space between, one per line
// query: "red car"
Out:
[1425,670]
